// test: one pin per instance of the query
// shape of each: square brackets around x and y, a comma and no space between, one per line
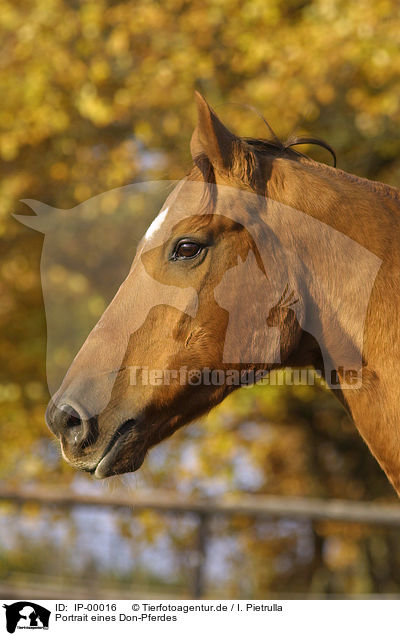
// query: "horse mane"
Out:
[275,145]
[284,149]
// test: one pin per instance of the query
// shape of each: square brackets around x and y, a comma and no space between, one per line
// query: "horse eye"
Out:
[187,249]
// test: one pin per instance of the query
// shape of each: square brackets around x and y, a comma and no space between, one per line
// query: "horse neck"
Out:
[356,292]
[367,212]
[335,232]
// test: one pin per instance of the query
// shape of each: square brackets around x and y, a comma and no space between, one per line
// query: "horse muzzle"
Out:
[82,446]
[70,424]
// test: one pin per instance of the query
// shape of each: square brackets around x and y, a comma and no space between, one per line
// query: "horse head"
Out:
[194,290]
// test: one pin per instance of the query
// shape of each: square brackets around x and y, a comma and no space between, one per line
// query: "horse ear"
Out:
[212,138]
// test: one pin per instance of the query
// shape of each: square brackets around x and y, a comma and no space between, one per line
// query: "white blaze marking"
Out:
[156,224]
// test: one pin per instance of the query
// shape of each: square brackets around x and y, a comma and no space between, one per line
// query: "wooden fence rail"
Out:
[256,506]
[251,506]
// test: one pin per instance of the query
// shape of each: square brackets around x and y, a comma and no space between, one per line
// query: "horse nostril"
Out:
[73,418]
[66,422]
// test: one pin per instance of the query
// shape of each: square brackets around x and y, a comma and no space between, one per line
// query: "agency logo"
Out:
[26,615]
[288,286]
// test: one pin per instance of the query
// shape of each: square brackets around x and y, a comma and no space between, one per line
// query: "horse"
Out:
[260,258]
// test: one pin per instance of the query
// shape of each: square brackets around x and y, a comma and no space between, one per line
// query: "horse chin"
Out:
[108,467]
[121,454]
